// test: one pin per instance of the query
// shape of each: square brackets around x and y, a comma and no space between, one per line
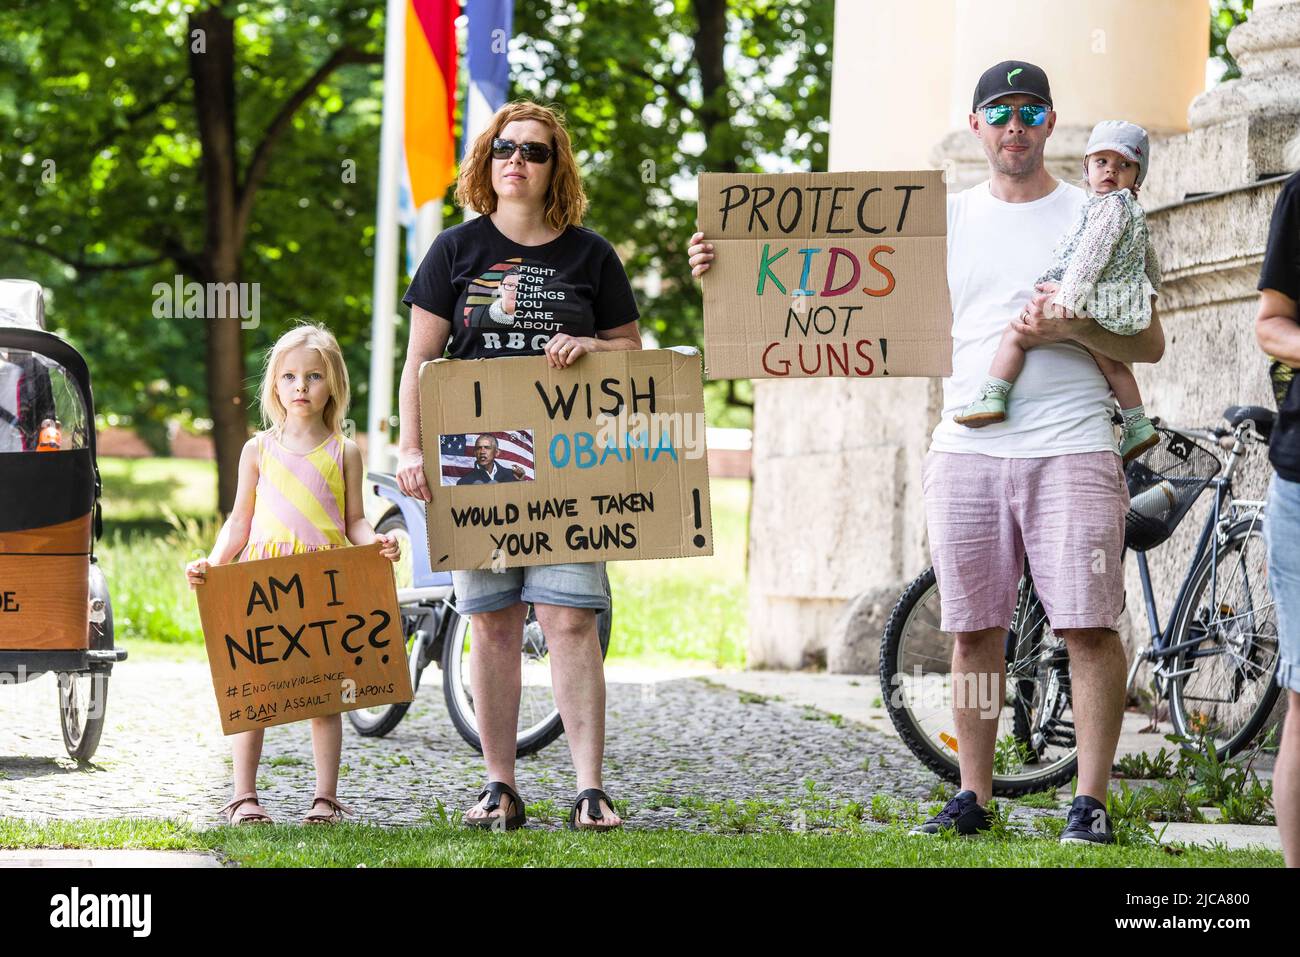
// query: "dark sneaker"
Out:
[962,814]
[1088,823]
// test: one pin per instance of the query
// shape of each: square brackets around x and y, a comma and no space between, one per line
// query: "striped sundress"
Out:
[300,503]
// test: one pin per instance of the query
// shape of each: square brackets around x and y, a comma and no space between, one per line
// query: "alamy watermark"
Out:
[983,691]
[650,434]
[213,300]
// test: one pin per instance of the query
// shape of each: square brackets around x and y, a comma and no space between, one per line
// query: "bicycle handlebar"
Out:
[1220,435]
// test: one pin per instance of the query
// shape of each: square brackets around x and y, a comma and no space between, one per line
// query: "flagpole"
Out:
[384,299]
[428,224]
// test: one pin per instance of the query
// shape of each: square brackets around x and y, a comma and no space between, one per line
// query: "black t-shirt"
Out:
[503,299]
[1282,272]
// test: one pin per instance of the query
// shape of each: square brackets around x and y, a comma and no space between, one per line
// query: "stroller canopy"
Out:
[22,304]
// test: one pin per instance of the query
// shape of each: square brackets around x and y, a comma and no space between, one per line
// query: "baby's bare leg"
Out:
[1121,379]
[1010,357]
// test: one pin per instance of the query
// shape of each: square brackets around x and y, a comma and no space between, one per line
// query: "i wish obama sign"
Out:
[826,274]
[303,636]
[601,461]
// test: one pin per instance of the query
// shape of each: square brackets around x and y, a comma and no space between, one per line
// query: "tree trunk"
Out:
[715,112]
[213,72]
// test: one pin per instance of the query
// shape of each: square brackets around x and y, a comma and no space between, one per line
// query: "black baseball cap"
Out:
[1011,76]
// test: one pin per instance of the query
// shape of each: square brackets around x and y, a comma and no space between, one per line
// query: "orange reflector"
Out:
[948,739]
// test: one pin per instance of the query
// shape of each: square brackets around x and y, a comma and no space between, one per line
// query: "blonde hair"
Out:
[566,203]
[313,336]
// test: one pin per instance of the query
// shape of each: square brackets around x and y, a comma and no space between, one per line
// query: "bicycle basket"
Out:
[1162,485]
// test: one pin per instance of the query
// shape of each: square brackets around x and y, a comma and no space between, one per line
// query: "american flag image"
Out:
[456,453]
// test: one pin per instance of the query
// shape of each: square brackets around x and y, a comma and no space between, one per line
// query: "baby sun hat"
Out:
[1127,139]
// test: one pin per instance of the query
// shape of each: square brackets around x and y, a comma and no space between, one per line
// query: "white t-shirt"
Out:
[996,251]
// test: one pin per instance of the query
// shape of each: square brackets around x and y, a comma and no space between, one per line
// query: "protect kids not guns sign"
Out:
[529,465]
[303,636]
[826,274]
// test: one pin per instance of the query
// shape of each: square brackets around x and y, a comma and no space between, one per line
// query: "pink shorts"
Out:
[1066,512]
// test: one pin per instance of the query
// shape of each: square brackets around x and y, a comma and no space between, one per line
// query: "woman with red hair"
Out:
[523,278]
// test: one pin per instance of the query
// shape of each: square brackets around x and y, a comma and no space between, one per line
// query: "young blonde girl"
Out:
[299,491]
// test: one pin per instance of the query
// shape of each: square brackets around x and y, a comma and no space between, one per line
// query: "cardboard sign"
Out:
[826,274]
[45,587]
[303,636]
[529,465]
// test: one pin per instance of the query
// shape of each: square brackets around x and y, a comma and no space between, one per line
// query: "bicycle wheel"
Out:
[378,721]
[1035,747]
[1224,685]
[539,717]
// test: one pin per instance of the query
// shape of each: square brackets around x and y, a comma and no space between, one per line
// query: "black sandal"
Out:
[494,790]
[593,797]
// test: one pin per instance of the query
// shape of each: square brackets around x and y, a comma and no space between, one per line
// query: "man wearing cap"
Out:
[1045,483]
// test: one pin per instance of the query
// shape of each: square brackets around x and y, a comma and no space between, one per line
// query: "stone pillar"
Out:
[1141,62]
[837,524]
[1238,128]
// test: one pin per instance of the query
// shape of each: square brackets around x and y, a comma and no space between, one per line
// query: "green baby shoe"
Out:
[990,407]
[1137,438]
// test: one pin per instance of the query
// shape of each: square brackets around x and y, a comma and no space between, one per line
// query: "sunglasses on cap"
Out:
[532,152]
[1031,114]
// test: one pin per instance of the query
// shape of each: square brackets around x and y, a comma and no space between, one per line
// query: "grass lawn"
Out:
[689,609]
[448,845]
[158,515]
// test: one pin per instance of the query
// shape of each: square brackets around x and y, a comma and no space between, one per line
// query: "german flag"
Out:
[430,97]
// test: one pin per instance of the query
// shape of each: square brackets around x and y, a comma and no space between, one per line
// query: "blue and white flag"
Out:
[490,25]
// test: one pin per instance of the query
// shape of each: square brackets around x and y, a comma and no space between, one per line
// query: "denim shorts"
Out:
[1282,531]
[572,585]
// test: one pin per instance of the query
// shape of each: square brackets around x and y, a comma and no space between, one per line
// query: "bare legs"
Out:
[494,666]
[326,746]
[1286,783]
[577,672]
[1121,380]
[1098,670]
[1009,361]
[1098,674]
[979,664]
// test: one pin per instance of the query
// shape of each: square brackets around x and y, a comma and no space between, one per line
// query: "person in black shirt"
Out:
[486,468]
[1278,332]
[523,278]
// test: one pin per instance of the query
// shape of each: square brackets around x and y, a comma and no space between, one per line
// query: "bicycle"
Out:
[437,633]
[1215,660]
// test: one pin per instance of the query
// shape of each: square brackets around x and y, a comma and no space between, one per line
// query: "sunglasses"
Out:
[1031,114]
[532,152]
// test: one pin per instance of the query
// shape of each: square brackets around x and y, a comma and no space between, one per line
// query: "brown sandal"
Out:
[250,817]
[333,816]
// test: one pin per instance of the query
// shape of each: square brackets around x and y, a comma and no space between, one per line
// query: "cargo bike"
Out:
[55,614]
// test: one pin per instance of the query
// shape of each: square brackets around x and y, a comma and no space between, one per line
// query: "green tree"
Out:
[141,145]
[658,92]
[133,153]
[1224,16]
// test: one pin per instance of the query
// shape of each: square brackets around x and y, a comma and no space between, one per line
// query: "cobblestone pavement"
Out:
[677,751]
